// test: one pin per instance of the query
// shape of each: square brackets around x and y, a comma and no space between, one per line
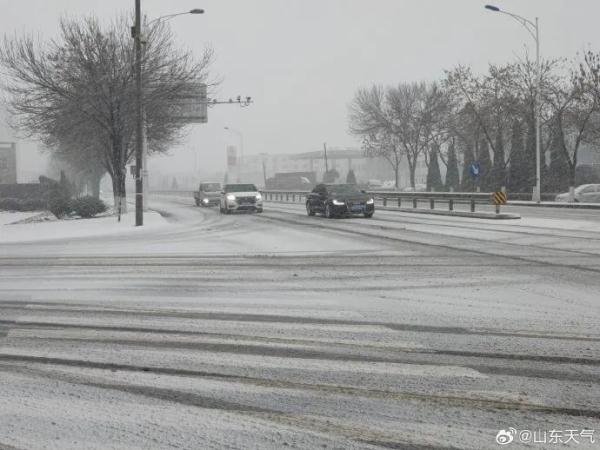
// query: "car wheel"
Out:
[368,215]
[328,212]
[309,209]
[197,203]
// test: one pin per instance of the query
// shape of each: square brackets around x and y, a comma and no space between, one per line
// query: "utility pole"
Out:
[264,166]
[139,129]
[537,196]
[325,152]
[145,178]
[534,31]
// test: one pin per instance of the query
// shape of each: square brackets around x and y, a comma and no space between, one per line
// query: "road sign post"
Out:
[475,172]
[499,198]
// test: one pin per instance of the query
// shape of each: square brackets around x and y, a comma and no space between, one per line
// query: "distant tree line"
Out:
[489,119]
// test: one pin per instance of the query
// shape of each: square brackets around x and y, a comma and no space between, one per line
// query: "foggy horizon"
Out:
[430,281]
[302,63]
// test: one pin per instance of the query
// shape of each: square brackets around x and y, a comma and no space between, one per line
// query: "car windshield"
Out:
[210,187]
[240,188]
[343,189]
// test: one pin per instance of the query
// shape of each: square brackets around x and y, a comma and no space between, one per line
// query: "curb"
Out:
[554,204]
[435,212]
[475,215]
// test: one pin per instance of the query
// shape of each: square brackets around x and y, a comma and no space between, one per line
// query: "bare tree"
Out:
[483,107]
[417,110]
[370,119]
[385,145]
[493,101]
[587,76]
[77,92]
[368,111]
[575,106]
[399,121]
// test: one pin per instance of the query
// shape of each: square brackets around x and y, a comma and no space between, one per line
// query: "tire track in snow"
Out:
[393,326]
[446,400]
[460,244]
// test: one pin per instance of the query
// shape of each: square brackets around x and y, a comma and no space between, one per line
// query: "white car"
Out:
[586,193]
[240,197]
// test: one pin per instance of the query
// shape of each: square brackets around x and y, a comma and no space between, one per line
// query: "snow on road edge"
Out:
[64,229]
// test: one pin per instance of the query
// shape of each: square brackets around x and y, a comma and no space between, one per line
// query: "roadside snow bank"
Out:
[73,228]
[7,217]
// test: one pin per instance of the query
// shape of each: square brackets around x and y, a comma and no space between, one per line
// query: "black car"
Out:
[335,200]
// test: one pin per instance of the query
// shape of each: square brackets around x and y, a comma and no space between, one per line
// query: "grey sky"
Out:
[302,60]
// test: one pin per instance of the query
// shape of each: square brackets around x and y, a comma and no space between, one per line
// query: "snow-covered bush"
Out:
[59,205]
[87,206]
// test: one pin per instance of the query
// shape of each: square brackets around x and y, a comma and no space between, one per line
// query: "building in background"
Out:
[259,167]
[8,162]
[29,157]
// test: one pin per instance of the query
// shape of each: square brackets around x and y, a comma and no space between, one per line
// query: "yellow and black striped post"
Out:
[499,198]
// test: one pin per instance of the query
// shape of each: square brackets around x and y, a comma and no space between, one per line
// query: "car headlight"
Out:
[370,201]
[231,197]
[204,200]
[258,197]
[337,202]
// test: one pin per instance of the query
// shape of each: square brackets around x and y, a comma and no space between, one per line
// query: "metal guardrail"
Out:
[284,196]
[173,192]
[401,198]
[451,198]
[414,198]
[545,197]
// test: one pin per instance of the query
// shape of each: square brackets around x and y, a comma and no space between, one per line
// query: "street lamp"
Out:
[534,31]
[241,136]
[139,132]
[170,16]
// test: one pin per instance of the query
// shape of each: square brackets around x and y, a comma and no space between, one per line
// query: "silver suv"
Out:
[241,197]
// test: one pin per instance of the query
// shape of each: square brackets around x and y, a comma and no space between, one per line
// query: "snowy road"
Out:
[286,331]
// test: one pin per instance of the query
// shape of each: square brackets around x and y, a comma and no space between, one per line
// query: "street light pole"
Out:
[537,197]
[537,193]
[139,129]
[141,158]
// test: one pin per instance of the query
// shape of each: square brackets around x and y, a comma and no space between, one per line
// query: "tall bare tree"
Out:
[403,120]
[77,92]
[483,107]
[575,107]
[417,110]
[370,118]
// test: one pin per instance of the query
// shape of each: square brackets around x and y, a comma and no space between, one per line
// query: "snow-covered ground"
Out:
[280,330]
[7,217]
[72,228]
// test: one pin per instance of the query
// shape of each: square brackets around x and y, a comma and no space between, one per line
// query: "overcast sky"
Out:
[302,60]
